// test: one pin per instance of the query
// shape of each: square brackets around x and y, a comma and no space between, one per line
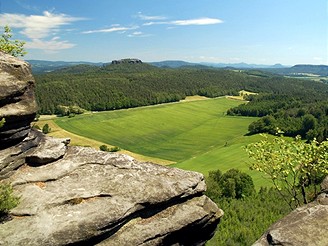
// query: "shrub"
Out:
[104,147]
[115,149]
[7,199]
[2,122]
[46,129]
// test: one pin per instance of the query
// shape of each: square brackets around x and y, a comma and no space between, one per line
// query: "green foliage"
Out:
[71,111]
[115,149]
[265,124]
[7,199]
[245,220]
[46,129]
[292,166]
[232,184]
[104,148]
[112,149]
[247,214]
[2,122]
[304,114]
[12,47]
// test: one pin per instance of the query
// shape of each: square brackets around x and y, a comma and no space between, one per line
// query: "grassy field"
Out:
[78,140]
[194,135]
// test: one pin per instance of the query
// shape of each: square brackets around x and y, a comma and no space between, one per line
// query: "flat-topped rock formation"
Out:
[126,61]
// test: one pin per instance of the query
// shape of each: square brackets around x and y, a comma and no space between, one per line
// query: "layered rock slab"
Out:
[89,197]
[17,101]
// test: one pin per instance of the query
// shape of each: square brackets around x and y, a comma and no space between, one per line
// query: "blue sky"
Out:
[221,31]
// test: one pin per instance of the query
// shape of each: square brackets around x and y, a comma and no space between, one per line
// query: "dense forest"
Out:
[292,113]
[130,85]
[295,106]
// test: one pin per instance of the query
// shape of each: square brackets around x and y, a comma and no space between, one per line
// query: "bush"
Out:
[70,111]
[7,199]
[2,122]
[115,149]
[46,129]
[104,148]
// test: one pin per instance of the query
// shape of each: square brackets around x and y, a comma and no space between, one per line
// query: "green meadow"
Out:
[195,135]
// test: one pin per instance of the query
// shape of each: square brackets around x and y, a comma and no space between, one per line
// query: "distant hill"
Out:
[312,69]
[302,70]
[41,66]
[173,64]
[242,65]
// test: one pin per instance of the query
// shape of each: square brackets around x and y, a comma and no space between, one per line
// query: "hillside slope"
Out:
[131,85]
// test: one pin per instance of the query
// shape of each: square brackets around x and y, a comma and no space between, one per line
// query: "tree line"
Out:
[294,114]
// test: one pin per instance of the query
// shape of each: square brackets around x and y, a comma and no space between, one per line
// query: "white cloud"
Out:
[150,17]
[114,28]
[188,22]
[156,23]
[37,26]
[200,21]
[139,34]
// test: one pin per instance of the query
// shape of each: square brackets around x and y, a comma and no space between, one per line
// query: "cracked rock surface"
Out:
[92,197]
[17,100]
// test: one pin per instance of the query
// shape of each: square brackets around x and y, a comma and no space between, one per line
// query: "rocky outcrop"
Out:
[80,196]
[89,197]
[126,61]
[306,225]
[17,102]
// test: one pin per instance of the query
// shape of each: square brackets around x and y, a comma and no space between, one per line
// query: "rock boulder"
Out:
[17,101]
[89,197]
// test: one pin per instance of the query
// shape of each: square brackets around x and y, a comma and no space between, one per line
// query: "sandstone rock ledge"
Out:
[17,101]
[88,197]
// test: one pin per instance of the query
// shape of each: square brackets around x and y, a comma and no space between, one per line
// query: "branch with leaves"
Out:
[292,166]
[11,47]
